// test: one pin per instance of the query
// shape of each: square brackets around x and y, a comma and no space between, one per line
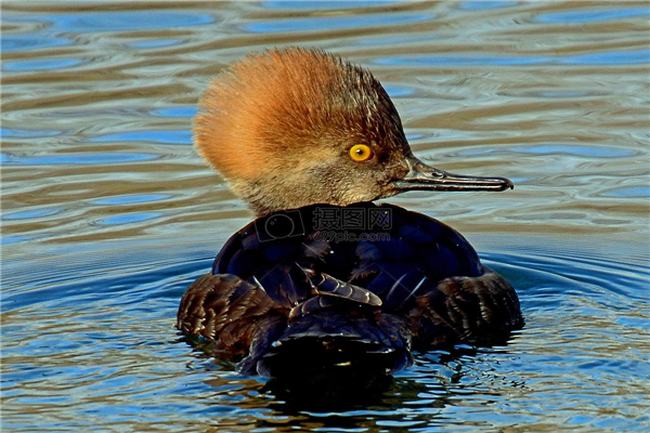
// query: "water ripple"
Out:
[95,158]
[120,21]
[333,23]
[629,57]
[162,137]
[593,16]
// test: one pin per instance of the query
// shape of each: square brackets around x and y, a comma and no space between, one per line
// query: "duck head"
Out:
[294,127]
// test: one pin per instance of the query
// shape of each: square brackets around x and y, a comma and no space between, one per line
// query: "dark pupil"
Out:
[360,151]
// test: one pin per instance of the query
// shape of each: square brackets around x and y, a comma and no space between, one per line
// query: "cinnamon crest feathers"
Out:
[300,109]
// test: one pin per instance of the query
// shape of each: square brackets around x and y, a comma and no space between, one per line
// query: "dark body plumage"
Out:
[358,287]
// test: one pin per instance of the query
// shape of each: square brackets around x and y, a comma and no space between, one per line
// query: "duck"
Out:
[326,282]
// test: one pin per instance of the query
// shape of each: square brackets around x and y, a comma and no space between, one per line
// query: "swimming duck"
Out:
[325,280]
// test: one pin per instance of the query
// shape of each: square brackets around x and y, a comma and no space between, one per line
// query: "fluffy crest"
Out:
[272,120]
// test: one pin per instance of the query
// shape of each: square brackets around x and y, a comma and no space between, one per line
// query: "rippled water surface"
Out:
[108,214]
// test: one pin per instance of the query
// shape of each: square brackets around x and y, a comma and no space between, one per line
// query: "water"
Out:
[108,214]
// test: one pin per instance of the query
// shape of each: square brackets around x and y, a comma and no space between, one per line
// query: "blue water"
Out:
[123,361]
[108,214]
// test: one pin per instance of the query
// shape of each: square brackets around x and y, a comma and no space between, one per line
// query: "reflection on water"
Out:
[108,214]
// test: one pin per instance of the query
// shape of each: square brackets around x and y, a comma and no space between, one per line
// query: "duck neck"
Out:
[264,200]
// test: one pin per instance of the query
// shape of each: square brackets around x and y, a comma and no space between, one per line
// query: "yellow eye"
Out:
[360,152]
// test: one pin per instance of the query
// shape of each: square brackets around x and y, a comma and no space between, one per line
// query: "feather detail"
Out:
[326,285]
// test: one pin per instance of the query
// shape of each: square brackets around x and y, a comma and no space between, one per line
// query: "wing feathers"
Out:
[479,310]
[326,285]
[226,309]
